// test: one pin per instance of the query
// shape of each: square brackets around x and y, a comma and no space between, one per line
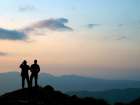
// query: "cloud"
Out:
[120,25]
[22,34]
[117,37]
[26,8]
[92,25]
[58,24]
[3,54]
[12,35]
[121,38]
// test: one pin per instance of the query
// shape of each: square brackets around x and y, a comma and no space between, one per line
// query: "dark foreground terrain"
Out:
[49,96]
[45,96]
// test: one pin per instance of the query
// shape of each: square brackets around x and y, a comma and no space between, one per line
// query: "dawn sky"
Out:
[98,38]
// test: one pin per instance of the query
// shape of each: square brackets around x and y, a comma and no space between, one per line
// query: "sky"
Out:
[96,38]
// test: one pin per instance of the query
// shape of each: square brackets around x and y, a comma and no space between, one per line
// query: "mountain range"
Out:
[11,80]
[110,90]
[112,96]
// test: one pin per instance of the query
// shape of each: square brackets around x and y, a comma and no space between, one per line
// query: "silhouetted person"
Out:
[24,73]
[34,73]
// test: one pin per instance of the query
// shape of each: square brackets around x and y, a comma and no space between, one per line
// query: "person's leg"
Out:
[36,77]
[28,81]
[23,81]
[31,80]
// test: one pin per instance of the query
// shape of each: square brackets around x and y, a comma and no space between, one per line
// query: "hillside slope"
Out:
[45,96]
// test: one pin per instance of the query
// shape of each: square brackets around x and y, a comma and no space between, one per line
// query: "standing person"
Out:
[24,73]
[35,69]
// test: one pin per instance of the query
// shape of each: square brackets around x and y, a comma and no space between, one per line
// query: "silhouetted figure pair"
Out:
[25,73]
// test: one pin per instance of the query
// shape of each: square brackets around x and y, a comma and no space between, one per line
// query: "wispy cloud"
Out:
[121,37]
[116,37]
[120,25]
[3,54]
[92,25]
[6,34]
[58,24]
[26,8]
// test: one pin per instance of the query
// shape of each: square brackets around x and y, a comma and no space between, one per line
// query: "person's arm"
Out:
[31,68]
[38,68]
[20,66]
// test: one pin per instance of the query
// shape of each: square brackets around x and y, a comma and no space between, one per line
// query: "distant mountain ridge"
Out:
[12,80]
[112,96]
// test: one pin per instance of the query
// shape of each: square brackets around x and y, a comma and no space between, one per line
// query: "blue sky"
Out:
[74,35]
[80,11]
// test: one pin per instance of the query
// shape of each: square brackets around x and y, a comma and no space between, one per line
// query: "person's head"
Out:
[24,62]
[35,61]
